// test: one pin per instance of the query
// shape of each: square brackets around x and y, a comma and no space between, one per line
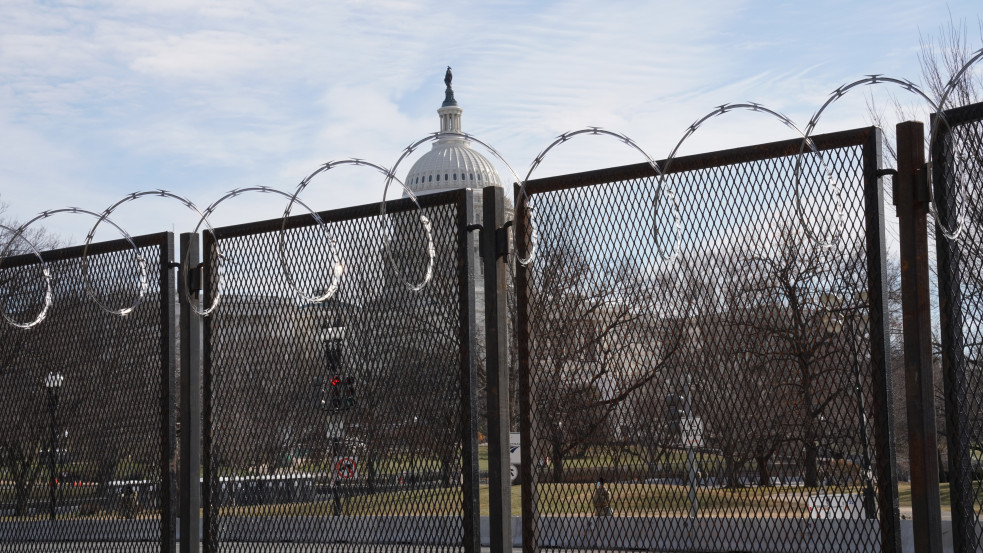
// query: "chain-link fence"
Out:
[349,421]
[87,418]
[733,398]
[958,159]
[703,366]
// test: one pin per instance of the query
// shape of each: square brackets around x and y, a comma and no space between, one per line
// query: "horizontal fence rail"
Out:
[734,398]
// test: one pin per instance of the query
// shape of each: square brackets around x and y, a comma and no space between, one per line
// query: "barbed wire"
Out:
[184,268]
[424,221]
[45,271]
[433,137]
[911,87]
[950,87]
[656,200]
[335,264]
[524,202]
[806,142]
[144,282]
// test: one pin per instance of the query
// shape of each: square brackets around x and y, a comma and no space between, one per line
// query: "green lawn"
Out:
[904,495]
[563,499]
[572,500]
[575,500]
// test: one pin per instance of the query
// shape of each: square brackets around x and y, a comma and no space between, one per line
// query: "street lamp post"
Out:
[690,458]
[326,401]
[52,384]
[335,495]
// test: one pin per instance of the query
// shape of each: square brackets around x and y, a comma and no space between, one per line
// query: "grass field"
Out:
[574,500]
[561,499]
[569,500]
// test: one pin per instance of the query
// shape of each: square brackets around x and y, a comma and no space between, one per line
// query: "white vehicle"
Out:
[515,459]
[844,505]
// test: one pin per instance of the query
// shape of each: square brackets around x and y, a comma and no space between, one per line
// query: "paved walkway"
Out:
[906,514]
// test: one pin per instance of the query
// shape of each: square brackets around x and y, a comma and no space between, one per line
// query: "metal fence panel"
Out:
[348,421]
[87,418]
[956,165]
[735,398]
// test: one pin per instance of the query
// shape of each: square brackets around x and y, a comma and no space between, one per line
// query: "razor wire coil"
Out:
[663,194]
[45,271]
[144,283]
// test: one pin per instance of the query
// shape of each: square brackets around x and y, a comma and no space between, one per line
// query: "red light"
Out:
[335,381]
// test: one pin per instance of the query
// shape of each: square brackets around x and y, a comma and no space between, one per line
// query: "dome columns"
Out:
[450,119]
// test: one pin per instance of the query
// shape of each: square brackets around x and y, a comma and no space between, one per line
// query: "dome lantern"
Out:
[451,163]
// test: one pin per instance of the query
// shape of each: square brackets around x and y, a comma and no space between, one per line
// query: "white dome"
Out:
[451,163]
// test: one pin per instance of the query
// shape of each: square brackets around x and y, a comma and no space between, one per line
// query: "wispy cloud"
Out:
[100,99]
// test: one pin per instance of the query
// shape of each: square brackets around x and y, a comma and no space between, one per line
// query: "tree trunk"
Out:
[653,457]
[557,461]
[22,493]
[445,473]
[105,473]
[811,464]
[25,471]
[764,475]
[731,467]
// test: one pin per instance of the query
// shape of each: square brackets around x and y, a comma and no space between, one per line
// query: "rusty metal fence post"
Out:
[886,475]
[469,374]
[958,313]
[528,476]
[911,199]
[494,245]
[168,404]
[190,472]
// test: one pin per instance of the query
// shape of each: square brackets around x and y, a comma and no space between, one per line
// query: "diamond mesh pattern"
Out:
[958,157]
[727,399]
[341,422]
[87,397]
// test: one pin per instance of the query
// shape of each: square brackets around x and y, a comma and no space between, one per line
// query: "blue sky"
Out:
[102,98]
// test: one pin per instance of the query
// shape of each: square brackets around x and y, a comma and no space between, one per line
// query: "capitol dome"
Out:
[451,163]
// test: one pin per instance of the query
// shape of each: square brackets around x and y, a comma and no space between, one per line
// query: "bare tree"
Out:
[788,307]
[736,396]
[598,339]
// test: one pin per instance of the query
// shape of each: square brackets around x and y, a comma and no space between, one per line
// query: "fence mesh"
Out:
[731,399]
[87,419]
[958,157]
[345,421]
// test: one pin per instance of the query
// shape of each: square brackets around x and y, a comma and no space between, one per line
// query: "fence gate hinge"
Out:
[893,173]
[922,182]
[194,276]
[502,239]
[194,279]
